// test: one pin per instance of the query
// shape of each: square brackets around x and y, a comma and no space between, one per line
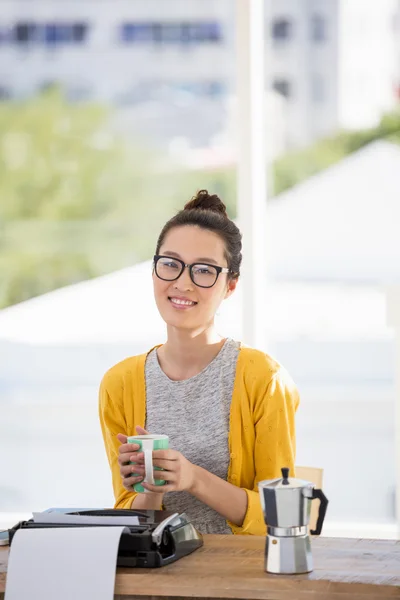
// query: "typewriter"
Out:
[160,538]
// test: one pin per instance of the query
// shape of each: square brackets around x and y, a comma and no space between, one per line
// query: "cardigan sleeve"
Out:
[274,445]
[112,422]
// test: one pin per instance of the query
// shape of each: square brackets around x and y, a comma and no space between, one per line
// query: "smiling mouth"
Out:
[181,303]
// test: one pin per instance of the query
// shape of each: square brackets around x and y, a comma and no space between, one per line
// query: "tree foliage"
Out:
[294,167]
[76,201]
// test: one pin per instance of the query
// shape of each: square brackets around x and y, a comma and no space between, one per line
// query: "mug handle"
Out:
[147,447]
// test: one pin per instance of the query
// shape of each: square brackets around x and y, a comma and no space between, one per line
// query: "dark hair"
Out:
[209,212]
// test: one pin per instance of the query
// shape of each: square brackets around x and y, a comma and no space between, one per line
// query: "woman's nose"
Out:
[184,281]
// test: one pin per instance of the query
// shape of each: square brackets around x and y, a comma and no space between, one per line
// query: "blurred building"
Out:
[335,61]
[173,63]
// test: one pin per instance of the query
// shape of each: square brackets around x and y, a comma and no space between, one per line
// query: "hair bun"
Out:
[205,201]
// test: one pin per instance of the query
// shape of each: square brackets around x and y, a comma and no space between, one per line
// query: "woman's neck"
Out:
[185,354]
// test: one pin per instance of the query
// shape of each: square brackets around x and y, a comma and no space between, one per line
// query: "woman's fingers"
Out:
[169,476]
[168,454]
[126,457]
[141,431]
[125,448]
[127,470]
[139,469]
[122,438]
[158,489]
[129,482]
[167,465]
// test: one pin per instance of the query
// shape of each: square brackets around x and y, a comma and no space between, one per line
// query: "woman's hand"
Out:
[129,453]
[178,471]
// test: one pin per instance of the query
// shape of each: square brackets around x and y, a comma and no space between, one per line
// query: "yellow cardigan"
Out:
[262,425]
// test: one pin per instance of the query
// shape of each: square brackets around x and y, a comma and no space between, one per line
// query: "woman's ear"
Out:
[232,283]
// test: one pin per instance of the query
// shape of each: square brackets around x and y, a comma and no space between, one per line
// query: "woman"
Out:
[228,410]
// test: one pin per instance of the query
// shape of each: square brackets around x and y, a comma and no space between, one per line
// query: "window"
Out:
[64,33]
[317,89]
[157,32]
[24,33]
[281,30]
[206,32]
[53,34]
[318,30]
[21,33]
[140,32]
[49,34]
[79,31]
[283,87]
[171,33]
[185,33]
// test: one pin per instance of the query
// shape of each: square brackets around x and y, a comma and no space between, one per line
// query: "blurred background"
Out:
[113,113]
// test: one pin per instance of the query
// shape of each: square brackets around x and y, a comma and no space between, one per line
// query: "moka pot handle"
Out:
[322,510]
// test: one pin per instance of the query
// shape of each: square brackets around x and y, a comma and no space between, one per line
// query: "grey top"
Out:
[194,413]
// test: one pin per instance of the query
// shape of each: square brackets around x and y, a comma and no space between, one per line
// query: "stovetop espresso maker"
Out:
[286,505]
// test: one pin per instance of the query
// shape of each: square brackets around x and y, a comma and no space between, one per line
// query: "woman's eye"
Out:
[204,270]
[170,265]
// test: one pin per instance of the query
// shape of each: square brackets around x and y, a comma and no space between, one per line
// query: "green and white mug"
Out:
[148,443]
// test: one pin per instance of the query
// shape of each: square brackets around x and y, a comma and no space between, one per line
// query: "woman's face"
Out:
[191,244]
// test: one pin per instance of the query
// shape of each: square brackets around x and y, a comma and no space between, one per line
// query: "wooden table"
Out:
[232,567]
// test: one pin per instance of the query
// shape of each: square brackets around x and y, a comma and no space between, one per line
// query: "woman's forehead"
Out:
[192,243]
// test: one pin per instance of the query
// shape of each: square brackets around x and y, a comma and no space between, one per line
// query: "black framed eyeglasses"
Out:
[203,275]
